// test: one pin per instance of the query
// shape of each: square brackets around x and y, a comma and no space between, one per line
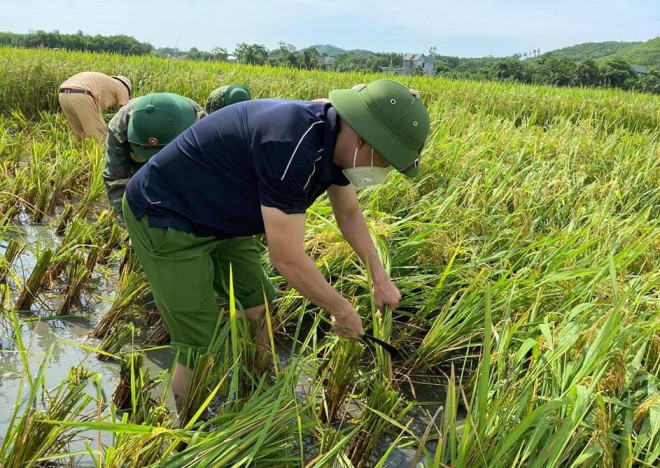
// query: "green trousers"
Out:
[185,271]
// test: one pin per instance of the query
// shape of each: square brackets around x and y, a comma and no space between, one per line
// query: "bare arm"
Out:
[285,234]
[354,229]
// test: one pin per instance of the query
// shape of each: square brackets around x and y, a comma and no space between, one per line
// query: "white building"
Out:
[413,61]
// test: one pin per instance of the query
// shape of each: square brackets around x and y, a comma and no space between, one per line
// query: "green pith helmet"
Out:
[226,95]
[156,120]
[126,82]
[389,117]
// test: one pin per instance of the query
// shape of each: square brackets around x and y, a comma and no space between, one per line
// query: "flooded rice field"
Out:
[54,345]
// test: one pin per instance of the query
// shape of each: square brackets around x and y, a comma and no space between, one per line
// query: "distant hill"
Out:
[644,53]
[333,51]
[328,49]
[593,50]
[640,53]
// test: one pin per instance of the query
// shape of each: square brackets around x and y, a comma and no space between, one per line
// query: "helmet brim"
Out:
[355,113]
[139,137]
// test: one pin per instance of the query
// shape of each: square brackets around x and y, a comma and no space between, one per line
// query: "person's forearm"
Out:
[301,273]
[354,229]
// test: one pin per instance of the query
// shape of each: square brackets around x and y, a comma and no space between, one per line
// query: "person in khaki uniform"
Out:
[85,96]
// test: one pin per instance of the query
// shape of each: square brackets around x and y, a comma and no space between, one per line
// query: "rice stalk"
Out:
[120,336]
[12,251]
[31,287]
[132,392]
[158,335]
[78,276]
[338,372]
[64,219]
[130,287]
[383,406]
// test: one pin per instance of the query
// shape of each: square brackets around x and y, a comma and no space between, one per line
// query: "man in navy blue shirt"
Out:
[256,167]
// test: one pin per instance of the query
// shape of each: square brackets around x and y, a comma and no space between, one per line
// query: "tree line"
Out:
[119,44]
[532,68]
[547,69]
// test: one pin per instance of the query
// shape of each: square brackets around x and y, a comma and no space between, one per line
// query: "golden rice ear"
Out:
[415,93]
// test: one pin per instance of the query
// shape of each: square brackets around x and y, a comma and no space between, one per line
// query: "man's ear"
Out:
[360,142]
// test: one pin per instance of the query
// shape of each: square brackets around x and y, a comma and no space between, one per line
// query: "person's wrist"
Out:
[379,276]
[342,308]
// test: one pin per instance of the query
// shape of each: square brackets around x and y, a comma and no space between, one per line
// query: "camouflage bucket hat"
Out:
[225,96]
[389,117]
[156,120]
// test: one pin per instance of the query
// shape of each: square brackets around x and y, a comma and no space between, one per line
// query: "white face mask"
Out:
[365,176]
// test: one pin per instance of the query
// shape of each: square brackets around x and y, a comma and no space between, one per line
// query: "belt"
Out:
[75,91]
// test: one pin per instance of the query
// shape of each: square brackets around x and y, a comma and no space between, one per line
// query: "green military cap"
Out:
[389,117]
[226,95]
[156,120]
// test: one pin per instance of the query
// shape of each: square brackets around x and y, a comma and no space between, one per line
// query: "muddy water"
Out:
[68,338]
[427,391]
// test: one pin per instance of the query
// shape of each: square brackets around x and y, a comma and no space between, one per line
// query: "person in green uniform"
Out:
[193,211]
[226,95]
[138,131]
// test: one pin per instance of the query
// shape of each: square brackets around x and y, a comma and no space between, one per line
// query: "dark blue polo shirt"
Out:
[213,178]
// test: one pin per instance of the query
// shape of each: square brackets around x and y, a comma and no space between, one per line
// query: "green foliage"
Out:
[218,54]
[328,49]
[605,64]
[310,59]
[649,83]
[550,69]
[253,54]
[509,69]
[286,56]
[120,44]
[643,53]
[353,61]
[465,68]
[334,51]
[617,73]
[592,50]
[587,73]
[563,67]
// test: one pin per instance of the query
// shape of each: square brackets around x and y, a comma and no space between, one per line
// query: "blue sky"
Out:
[469,28]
